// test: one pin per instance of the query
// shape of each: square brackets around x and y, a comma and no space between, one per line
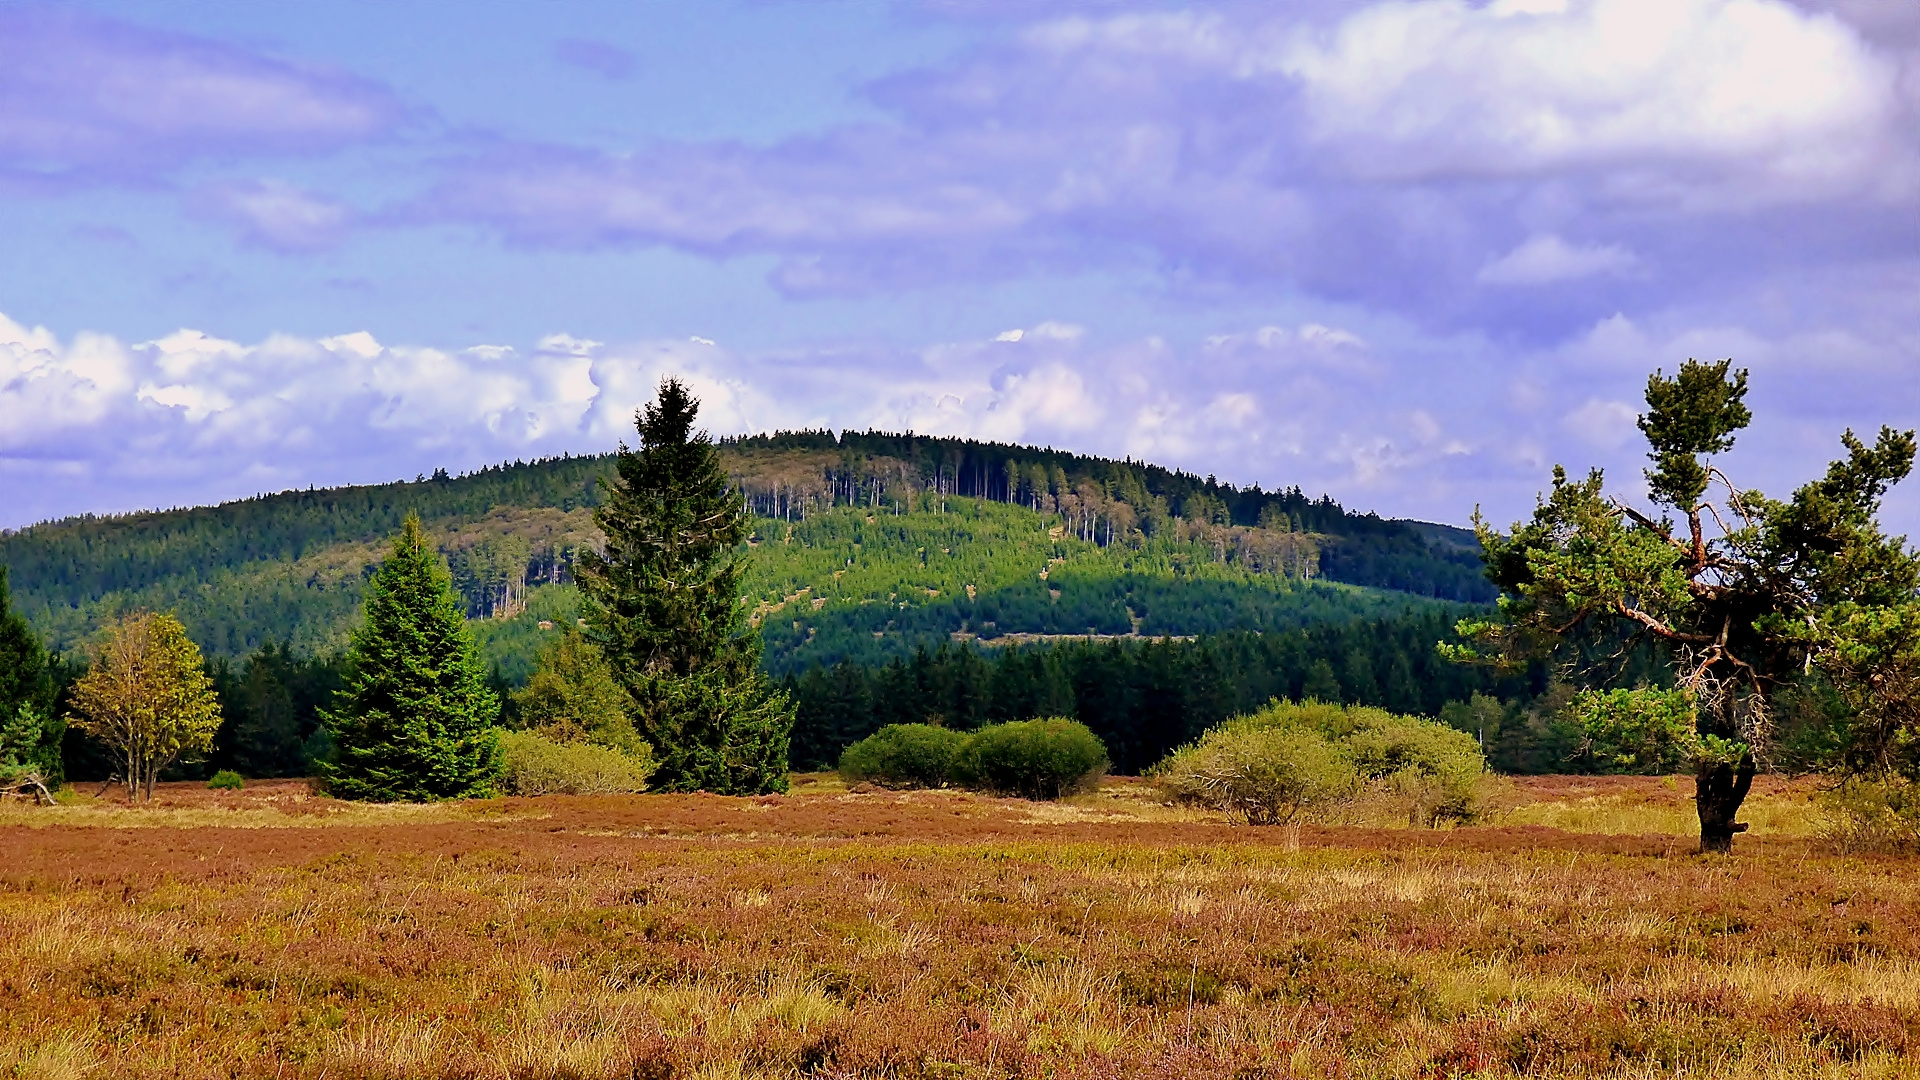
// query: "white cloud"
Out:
[199,417]
[198,402]
[1547,259]
[47,393]
[1786,103]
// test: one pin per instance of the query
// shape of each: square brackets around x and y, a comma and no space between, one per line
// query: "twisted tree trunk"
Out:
[1718,791]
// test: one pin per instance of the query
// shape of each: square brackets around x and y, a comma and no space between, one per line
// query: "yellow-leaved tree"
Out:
[147,697]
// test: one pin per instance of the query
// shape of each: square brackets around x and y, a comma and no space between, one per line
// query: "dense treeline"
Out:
[869,550]
[1069,604]
[1142,697]
[93,555]
[1145,698]
[290,566]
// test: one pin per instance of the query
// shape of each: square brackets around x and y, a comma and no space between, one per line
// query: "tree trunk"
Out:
[1718,791]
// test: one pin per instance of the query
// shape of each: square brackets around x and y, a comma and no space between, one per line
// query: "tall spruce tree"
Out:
[29,732]
[663,604]
[416,721]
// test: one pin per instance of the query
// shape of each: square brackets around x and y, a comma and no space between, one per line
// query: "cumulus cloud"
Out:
[1777,102]
[193,417]
[197,416]
[1456,235]
[87,99]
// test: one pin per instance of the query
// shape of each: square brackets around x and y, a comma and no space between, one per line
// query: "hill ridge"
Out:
[298,557]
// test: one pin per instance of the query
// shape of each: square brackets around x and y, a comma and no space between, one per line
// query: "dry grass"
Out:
[270,933]
[1647,805]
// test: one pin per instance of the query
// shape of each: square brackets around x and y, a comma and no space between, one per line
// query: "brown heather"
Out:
[831,933]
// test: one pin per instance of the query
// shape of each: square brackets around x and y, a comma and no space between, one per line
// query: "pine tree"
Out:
[663,603]
[1743,594]
[416,721]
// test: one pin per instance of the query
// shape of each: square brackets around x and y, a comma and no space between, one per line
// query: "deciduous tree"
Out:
[147,697]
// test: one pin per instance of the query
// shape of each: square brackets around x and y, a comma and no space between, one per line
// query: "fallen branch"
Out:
[27,785]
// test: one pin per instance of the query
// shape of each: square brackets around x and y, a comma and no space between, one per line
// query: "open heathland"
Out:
[836,932]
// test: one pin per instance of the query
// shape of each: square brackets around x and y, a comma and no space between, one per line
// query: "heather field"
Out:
[831,932]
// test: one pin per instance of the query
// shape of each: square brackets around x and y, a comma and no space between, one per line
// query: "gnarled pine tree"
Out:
[663,604]
[416,721]
[1743,593]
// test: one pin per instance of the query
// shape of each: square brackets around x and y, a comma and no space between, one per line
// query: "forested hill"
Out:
[1427,559]
[290,566]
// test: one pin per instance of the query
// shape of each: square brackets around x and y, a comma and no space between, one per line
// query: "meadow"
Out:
[836,932]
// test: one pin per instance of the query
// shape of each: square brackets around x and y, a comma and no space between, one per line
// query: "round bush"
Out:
[1268,776]
[227,780]
[537,765]
[902,755]
[1431,771]
[1034,759]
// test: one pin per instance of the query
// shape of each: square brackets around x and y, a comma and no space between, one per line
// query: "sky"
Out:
[1409,253]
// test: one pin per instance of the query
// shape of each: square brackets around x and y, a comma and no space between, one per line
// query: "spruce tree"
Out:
[416,721]
[663,603]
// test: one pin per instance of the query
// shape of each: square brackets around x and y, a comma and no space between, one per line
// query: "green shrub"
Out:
[1288,758]
[574,697]
[903,755]
[538,765]
[227,780]
[1436,773]
[1266,776]
[1034,759]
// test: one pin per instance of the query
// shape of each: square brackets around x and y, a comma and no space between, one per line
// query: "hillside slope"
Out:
[878,541]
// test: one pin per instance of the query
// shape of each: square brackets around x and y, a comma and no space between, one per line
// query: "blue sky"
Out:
[1408,252]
